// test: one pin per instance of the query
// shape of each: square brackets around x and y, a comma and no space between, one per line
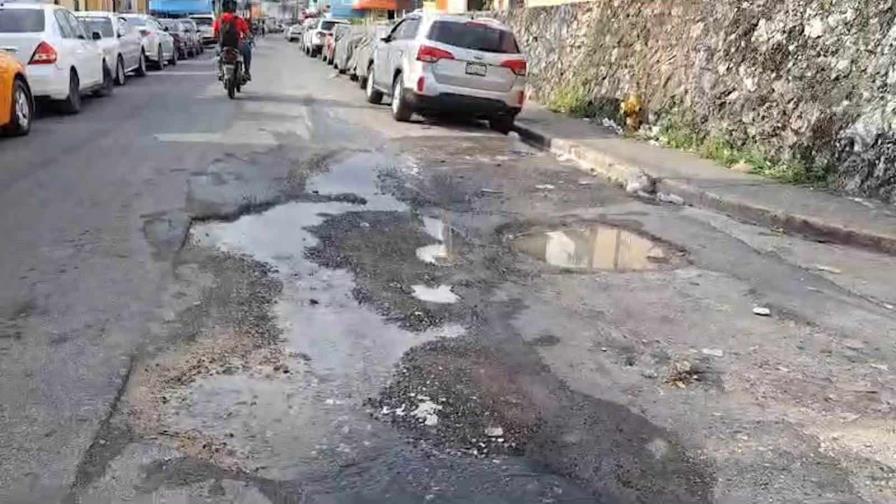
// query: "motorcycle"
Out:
[232,72]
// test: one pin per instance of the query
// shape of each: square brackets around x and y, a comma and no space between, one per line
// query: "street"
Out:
[292,298]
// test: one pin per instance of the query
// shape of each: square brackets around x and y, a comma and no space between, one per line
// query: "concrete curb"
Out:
[635,179]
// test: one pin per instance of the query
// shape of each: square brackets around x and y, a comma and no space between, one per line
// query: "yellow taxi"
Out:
[16,102]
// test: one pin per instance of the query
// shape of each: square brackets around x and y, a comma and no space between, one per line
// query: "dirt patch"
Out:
[454,393]
[231,329]
[380,249]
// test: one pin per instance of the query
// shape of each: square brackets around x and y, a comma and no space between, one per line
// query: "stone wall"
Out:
[809,81]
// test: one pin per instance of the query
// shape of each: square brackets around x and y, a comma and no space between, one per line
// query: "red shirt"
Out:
[228,17]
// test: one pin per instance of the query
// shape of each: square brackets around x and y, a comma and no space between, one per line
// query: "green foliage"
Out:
[571,99]
[575,100]
[680,131]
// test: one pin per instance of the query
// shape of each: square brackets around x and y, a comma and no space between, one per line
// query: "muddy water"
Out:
[305,422]
[341,352]
[594,247]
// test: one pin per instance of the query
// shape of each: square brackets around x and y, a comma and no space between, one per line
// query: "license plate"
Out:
[476,69]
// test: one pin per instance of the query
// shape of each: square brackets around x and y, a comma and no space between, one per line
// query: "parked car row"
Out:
[429,64]
[49,54]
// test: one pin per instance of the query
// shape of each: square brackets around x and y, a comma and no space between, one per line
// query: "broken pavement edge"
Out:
[622,171]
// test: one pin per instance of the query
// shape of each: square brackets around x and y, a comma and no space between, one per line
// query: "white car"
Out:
[432,63]
[61,61]
[158,46]
[314,35]
[294,32]
[121,44]
[205,23]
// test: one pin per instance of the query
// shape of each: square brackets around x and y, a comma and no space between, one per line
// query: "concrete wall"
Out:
[807,80]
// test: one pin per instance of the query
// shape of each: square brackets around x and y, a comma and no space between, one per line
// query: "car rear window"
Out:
[21,20]
[136,21]
[327,25]
[473,35]
[203,21]
[98,24]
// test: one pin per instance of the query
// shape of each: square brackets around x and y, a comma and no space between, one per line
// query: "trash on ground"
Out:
[486,190]
[545,187]
[494,431]
[715,352]
[426,411]
[880,367]
[682,373]
[670,198]
[827,269]
[762,311]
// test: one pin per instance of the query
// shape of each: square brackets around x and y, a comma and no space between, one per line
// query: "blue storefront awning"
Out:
[180,6]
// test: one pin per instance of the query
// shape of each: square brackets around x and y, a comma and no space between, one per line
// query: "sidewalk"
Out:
[686,178]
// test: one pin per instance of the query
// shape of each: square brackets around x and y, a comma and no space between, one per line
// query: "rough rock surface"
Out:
[808,81]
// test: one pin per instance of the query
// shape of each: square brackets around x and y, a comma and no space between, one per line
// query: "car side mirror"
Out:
[387,38]
[165,28]
[96,35]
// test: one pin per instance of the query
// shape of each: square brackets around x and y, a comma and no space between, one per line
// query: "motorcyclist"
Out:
[229,20]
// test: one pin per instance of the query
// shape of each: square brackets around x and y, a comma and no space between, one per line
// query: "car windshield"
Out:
[21,20]
[327,25]
[99,24]
[203,21]
[136,21]
[171,25]
[474,35]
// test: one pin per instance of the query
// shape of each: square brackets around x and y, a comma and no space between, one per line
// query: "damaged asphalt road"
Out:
[365,311]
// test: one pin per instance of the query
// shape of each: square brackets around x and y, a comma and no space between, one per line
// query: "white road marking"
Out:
[241,132]
[174,72]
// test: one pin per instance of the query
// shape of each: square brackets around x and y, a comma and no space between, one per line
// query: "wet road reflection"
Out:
[595,247]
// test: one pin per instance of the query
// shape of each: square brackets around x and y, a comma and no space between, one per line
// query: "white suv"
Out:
[315,34]
[62,61]
[435,63]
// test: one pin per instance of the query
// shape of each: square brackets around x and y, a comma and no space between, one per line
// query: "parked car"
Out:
[306,25]
[432,63]
[362,58]
[294,33]
[339,32]
[60,60]
[120,43]
[205,22]
[195,37]
[158,46]
[183,45]
[346,46]
[314,35]
[16,102]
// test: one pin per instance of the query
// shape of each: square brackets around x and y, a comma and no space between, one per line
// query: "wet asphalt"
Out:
[290,298]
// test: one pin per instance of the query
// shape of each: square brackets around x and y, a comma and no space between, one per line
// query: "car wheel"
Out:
[22,110]
[119,72]
[72,104]
[374,95]
[141,65]
[401,109]
[502,124]
[160,59]
[108,82]
[174,57]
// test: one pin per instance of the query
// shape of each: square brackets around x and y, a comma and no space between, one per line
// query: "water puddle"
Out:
[441,253]
[596,247]
[441,294]
[283,420]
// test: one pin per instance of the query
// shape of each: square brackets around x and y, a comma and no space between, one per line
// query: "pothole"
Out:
[598,247]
